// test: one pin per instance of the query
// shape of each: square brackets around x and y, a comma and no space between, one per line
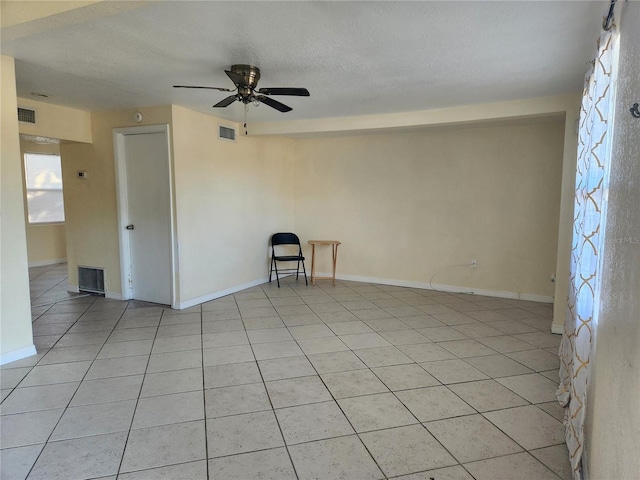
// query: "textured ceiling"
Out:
[356,58]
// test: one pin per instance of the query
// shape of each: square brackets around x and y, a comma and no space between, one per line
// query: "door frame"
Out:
[123,207]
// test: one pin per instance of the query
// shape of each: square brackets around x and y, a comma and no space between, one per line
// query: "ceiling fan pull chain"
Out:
[246,109]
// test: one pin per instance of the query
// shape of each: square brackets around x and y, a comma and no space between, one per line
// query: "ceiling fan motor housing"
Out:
[249,72]
[251,75]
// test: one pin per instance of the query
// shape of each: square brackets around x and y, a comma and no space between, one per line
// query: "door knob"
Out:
[130,227]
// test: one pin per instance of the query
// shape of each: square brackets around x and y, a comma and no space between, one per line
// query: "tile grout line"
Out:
[419,422]
[370,369]
[335,400]
[355,432]
[70,398]
[36,364]
[53,267]
[307,358]
[204,396]
[264,385]
[135,408]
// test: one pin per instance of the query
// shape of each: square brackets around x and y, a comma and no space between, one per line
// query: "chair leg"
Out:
[298,270]
[305,274]
[270,269]
[275,264]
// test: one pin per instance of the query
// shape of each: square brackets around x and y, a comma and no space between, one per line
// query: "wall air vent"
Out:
[226,133]
[91,279]
[26,115]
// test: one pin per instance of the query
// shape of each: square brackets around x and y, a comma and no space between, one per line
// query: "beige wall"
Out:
[46,243]
[54,121]
[565,225]
[490,160]
[69,125]
[15,309]
[230,198]
[612,424]
[566,105]
[512,110]
[90,204]
[408,206]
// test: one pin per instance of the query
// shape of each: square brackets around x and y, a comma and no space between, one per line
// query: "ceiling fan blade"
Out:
[238,80]
[208,88]
[298,92]
[274,103]
[226,102]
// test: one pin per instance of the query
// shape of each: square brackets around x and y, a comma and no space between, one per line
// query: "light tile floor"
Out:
[355,381]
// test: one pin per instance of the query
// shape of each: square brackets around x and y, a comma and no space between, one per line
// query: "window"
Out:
[43,175]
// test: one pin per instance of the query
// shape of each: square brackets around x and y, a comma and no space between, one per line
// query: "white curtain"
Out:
[594,152]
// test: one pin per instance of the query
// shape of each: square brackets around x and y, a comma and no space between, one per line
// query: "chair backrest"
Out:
[285,239]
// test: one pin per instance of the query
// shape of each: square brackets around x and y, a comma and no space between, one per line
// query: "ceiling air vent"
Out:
[226,133]
[26,115]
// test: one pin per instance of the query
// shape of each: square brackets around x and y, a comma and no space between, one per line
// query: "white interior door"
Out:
[148,216]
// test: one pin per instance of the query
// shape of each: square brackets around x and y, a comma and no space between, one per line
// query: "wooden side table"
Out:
[334,250]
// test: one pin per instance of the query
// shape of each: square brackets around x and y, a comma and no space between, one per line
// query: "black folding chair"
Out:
[286,239]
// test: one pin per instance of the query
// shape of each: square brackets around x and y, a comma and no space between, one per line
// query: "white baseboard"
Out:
[444,288]
[110,295]
[355,278]
[17,354]
[113,295]
[42,263]
[222,293]
[557,329]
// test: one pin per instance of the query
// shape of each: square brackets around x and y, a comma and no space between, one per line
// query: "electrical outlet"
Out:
[474,263]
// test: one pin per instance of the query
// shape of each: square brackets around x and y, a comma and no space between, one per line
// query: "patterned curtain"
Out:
[594,151]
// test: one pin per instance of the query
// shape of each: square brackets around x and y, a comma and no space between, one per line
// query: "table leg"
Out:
[313,265]
[335,259]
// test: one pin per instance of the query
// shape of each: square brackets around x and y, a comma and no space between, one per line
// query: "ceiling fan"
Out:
[245,78]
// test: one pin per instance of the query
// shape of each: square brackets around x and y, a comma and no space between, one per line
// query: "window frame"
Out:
[28,190]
